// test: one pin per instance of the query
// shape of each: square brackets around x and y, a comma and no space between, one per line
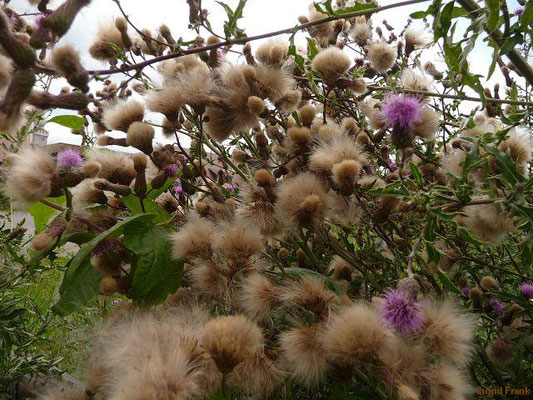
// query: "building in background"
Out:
[38,138]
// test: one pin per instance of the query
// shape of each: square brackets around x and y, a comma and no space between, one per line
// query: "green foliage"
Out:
[69,121]
[42,213]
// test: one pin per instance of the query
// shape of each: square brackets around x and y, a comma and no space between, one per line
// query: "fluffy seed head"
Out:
[487,222]
[407,393]
[335,151]
[489,283]
[346,171]
[256,296]
[30,177]
[302,200]
[193,239]
[140,136]
[381,56]
[448,332]
[121,116]
[331,63]
[356,334]
[102,46]
[307,115]
[115,167]
[304,355]
[230,340]
[500,352]
[255,105]
[264,178]
[448,383]
[412,81]
[428,124]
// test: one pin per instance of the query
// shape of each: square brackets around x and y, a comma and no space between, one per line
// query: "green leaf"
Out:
[507,165]
[42,214]
[446,282]
[80,282]
[493,11]
[133,204]
[79,286]
[70,121]
[443,23]
[417,174]
[527,16]
[313,50]
[472,158]
[230,27]
[155,274]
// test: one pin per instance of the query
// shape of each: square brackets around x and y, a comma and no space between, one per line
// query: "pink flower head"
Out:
[179,190]
[527,290]
[401,311]
[69,158]
[229,187]
[496,305]
[402,111]
[171,170]
[519,11]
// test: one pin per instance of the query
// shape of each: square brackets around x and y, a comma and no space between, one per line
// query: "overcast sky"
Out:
[260,16]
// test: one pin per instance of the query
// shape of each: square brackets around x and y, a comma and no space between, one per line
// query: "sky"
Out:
[260,16]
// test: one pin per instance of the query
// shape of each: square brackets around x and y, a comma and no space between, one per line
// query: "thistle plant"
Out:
[286,221]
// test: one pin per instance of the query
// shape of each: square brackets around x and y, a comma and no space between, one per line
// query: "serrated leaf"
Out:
[69,121]
[506,164]
[417,174]
[446,282]
[81,279]
[313,50]
[42,214]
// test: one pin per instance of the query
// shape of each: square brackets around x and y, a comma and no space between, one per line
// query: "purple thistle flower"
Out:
[518,12]
[171,170]
[179,190]
[39,21]
[527,290]
[466,292]
[401,312]
[393,166]
[69,158]
[496,305]
[401,111]
[229,187]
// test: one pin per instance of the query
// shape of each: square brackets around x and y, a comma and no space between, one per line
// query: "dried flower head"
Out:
[193,239]
[123,114]
[304,354]
[448,332]
[31,177]
[356,334]
[256,296]
[302,200]
[331,63]
[381,56]
[140,136]
[487,222]
[231,340]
